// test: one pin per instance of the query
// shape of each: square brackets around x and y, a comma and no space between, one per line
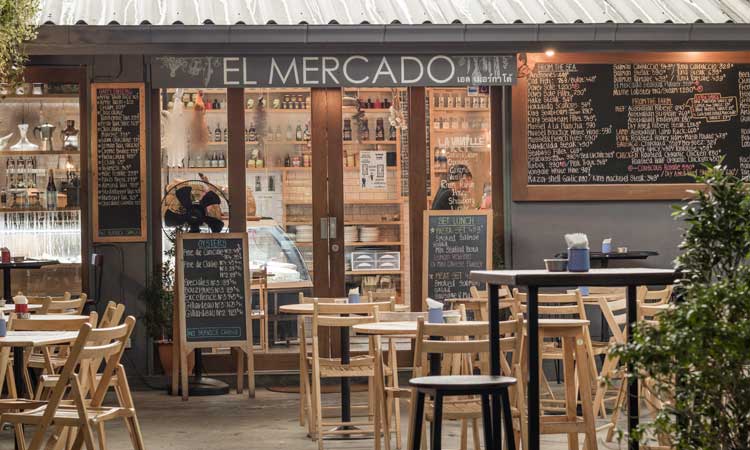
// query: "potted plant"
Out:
[696,360]
[17,23]
[159,299]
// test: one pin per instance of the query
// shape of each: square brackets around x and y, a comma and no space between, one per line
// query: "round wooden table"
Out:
[43,317]
[406,328]
[306,309]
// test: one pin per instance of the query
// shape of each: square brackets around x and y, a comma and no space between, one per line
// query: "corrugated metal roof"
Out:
[350,12]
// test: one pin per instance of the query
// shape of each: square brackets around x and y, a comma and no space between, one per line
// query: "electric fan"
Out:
[193,206]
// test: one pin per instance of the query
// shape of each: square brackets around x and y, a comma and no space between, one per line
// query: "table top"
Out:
[633,254]
[387,328]
[306,309]
[594,277]
[10,307]
[37,338]
[43,317]
[29,264]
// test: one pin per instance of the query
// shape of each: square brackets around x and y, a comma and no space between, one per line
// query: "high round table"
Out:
[25,264]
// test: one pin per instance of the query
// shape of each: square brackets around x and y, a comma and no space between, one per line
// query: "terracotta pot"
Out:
[165,357]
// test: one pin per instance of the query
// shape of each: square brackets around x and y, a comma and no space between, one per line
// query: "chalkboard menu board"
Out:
[623,124]
[119,162]
[213,287]
[456,243]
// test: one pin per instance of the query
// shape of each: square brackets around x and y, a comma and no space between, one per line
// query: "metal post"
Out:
[533,338]
[632,382]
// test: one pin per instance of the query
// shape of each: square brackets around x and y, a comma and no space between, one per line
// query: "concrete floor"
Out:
[235,422]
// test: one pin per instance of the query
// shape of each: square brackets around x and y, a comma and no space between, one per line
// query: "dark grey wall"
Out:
[537,229]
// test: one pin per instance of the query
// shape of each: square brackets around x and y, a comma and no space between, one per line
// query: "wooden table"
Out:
[26,264]
[534,279]
[10,307]
[44,317]
[605,258]
[306,309]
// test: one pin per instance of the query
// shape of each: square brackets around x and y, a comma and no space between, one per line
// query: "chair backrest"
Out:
[615,313]
[392,316]
[655,297]
[375,296]
[555,305]
[70,306]
[607,290]
[92,346]
[71,324]
[44,301]
[343,315]
[112,315]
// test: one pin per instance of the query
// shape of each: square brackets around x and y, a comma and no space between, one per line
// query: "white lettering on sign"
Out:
[384,69]
[275,68]
[450,63]
[228,69]
[330,70]
[416,79]
[306,60]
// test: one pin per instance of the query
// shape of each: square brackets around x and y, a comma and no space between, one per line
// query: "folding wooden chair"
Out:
[83,410]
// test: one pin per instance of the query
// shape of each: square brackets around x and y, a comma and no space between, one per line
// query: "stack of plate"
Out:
[351,233]
[304,233]
[369,234]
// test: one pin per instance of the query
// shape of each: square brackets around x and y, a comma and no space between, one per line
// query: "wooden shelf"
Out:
[194,169]
[373,272]
[49,98]
[279,110]
[38,152]
[279,143]
[32,209]
[364,222]
[456,110]
[459,130]
[370,142]
[366,110]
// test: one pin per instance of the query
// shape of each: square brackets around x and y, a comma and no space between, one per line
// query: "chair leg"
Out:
[583,370]
[393,356]
[102,436]
[475,434]
[510,439]
[571,398]
[464,434]
[20,439]
[489,442]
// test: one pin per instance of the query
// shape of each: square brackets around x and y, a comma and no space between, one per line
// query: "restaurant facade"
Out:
[326,136]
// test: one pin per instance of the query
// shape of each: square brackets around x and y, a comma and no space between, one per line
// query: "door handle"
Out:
[328,228]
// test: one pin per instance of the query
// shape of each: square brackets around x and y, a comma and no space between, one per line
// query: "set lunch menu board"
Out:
[456,242]
[119,161]
[213,287]
[628,130]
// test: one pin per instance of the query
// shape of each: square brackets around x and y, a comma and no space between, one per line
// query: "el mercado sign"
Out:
[333,71]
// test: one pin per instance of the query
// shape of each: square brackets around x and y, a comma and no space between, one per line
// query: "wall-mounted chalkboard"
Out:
[118,158]
[456,242]
[629,127]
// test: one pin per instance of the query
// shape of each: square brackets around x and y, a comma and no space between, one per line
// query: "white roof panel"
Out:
[352,12]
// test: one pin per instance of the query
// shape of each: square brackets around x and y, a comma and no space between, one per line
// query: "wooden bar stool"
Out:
[575,357]
[486,386]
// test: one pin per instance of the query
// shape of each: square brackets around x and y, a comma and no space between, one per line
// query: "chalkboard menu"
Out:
[213,287]
[632,123]
[456,243]
[119,162]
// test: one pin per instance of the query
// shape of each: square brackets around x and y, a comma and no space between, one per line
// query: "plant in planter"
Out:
[696,361]
[17,25]
[159,299]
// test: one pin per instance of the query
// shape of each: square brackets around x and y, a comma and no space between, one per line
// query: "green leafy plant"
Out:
[159,299]
[16,28]
[696,360]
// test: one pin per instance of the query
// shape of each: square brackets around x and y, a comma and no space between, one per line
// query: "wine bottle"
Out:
[298,133]
[51,192]
[364,131]
[379,130]
[217,133]
[347,133]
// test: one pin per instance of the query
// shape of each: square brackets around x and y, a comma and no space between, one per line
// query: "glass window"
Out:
[40,212]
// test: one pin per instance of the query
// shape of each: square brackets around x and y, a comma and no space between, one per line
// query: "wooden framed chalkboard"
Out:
[627,126]
[455,243]
[118,162]
[213,297]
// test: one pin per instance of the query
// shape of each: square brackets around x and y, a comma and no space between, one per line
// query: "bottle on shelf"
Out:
[226,134]
[217,133]
[257,183]
[288,161]
[392,133]
[271,184]
[364,131]
[298,133]
[252,134]
[51,191]
[215,104]
[347,133]
[306,132]
[386,103]
[289,133]
[277,134]
[379,130]
[223,104]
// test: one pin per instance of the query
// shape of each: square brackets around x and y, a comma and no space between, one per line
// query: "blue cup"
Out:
[584,290]
[3,327]
[606,247]
[578,260]
[353,298]
[435,315]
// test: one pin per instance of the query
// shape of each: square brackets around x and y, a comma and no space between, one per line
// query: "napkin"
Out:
[434,304]
[20,299]
[577,240]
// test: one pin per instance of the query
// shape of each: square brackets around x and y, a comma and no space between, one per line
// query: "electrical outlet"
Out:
[129,343]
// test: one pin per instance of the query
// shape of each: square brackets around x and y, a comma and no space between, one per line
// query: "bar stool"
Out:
[485,386]
[572,333]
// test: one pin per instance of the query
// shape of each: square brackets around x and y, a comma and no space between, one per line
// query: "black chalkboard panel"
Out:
[213,290]
[635,123]
[119,162]
[456,243]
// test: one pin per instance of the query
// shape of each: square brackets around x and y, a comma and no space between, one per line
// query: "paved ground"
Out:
[237,423]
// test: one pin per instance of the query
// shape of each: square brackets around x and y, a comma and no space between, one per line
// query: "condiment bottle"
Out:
[5,255]
[22,306]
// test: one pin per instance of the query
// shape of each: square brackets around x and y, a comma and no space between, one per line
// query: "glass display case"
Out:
[269,245]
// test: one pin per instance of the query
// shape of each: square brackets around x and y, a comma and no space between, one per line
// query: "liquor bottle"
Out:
[223,104]
[223,162]
[306,132]
[370,104]
[364,131]
[277,135]
[257,183]
[379,130]
[378,104]
[386,103]
[215,104]
[271,184]
[226,134]
[287,161]
[217,134]
[289,133]
[298,133]
[51,192]
[392,133]
[347,133]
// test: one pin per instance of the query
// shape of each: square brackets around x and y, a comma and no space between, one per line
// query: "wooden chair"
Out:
[507,302]
[458,345]
[49,360]
[70,306]
[615,314]
[83,410]
[112,315]
[342,316]
[569,305]
[656,297]
[43,301]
